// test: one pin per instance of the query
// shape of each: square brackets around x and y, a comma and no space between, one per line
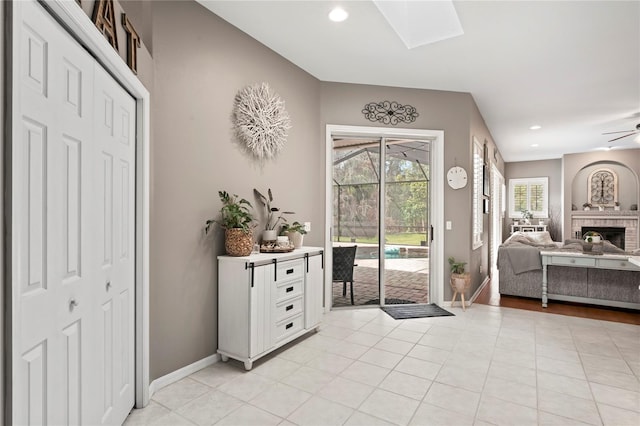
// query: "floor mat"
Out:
[416,311]
[389,302]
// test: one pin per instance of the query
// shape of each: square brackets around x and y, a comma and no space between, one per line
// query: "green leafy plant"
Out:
[456,267]
[234,213]
[294,227]
[271,212]
[586,205]
[526,214]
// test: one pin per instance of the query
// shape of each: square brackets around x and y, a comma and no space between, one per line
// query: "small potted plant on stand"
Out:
[295,232]
[460,280]
[616,206]
[586,207]
[236,220]
[270,232]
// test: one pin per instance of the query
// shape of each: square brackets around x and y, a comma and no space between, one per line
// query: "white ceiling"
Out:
[572,67]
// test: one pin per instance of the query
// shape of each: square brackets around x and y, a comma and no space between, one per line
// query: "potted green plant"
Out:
[237,221]
[273,215]
[526,217]
[592,237]
[295,232]
[586,206]
[460,280]
[616,206]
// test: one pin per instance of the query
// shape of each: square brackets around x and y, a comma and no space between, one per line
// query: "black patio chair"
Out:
[343,263]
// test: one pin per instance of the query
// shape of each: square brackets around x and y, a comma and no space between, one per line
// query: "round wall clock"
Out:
[457,177]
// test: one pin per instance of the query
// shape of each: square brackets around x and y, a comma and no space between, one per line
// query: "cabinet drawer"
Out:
[289,289]
[289,327]
[289,270]
[572,261]
[616,264]
[288,308]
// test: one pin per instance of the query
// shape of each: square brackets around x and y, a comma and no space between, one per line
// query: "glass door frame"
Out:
[436,255]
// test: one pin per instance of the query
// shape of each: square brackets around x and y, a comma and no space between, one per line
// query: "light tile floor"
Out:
[486,366]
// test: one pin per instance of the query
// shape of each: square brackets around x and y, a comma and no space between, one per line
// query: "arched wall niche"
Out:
[626,186]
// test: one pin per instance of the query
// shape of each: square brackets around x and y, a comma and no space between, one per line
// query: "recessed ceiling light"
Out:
[535,127]
[338,14]
[535,145]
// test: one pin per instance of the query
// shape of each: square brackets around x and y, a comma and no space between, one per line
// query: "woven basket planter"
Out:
[460,282]
[238,242]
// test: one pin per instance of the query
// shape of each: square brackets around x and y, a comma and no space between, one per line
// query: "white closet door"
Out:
[58,273]
[114,136]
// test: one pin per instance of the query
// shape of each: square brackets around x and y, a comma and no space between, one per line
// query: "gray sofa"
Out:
[605,287]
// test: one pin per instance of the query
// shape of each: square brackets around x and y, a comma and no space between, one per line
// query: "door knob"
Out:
[108,285]
[72,304]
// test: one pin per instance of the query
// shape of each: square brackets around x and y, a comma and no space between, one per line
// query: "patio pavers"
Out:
[404,285]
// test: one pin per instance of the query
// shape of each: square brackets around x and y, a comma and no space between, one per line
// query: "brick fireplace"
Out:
[628,220]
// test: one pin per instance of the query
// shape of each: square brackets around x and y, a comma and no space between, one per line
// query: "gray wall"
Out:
[573,163]
[200,63]
[530,169]
[455,113]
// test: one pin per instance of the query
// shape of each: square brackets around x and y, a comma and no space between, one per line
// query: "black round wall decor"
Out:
[390,112]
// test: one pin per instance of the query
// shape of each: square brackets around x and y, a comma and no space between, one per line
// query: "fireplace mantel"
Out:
[609,214]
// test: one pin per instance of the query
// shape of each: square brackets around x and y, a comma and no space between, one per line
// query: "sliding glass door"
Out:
[381,192]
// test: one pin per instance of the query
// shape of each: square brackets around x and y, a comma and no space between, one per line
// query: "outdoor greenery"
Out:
[528,197]
[355,200]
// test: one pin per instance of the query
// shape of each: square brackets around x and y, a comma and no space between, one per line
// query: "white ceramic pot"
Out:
[296,239]
[283,241]
[586,209]
[269,235]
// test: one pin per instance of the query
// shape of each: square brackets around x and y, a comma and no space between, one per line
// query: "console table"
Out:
[582,260]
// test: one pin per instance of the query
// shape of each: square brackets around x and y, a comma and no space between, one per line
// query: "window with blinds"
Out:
[529,194]
[477,195]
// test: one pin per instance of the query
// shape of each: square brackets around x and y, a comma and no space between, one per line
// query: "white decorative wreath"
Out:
[260,120]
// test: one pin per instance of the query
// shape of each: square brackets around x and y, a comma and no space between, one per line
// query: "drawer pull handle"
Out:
[289,289]
[288,308]
[289,271]
[288,326]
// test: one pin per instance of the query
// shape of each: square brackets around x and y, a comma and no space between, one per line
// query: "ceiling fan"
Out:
[628,133]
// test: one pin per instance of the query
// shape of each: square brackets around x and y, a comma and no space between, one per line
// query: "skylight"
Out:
[421,22]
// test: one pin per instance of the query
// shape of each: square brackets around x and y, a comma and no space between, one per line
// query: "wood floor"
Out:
[491,296]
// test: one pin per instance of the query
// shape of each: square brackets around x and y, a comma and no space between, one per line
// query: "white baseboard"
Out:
[486,281]
[180,374]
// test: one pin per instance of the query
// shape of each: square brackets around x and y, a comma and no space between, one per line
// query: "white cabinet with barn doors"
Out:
[72,230]
[267,300]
